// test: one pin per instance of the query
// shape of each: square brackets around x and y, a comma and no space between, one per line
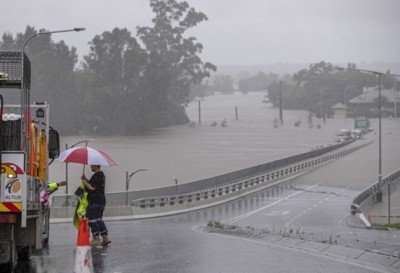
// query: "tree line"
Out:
[126,84]
[319,85]
[323,85]
[129,84]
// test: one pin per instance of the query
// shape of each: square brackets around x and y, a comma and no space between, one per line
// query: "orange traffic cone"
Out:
[83,256]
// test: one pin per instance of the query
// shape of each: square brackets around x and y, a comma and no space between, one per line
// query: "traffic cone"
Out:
[83,256]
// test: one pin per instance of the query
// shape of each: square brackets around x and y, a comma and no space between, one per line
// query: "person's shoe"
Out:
[96,241]
[106,241]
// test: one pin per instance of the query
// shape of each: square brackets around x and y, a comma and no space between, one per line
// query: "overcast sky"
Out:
[237,32]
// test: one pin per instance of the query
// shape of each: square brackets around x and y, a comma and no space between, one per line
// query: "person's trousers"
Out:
[94,213]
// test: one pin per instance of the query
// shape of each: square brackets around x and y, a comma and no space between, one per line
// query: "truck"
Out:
[28,145]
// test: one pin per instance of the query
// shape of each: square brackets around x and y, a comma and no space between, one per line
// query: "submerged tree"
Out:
[173,63]
[258,82]
[136,88]
[113,67]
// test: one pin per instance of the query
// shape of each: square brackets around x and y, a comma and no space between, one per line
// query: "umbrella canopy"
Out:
[86,155]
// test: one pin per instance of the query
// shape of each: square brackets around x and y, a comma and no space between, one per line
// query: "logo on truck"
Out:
[13,184]
[11,169]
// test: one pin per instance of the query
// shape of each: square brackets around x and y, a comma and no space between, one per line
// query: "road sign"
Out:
[361,122]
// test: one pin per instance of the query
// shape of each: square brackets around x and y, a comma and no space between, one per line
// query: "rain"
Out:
[181,93]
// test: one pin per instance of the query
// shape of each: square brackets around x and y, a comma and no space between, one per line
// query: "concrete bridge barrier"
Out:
[211,191]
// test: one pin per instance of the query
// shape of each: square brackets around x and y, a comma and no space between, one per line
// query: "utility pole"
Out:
[280,103]
[199,112]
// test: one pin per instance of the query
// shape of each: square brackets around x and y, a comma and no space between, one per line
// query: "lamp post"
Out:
[66,163]
[25,96]
[128,178]
[395,115]
[379,74]
[77,29]
[199,112]
[321,92]
[395,95]
[395,99]
[345,95]
[280,103]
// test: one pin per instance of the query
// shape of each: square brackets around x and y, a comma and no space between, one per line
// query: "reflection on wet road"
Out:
[317,202]
[175,244]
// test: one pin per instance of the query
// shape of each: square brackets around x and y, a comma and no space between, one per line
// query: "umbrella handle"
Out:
[84,164]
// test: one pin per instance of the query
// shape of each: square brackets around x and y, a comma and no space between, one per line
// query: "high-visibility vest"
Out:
[81,206]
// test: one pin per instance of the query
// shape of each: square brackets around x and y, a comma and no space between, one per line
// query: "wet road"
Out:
[317,202]
[179,243]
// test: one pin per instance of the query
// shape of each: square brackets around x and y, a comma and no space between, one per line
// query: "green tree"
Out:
[115,58]
[173,64]
[199,90]
[114,68]
[224,84]
[258,82]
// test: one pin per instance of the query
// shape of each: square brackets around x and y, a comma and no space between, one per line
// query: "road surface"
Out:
[315,206]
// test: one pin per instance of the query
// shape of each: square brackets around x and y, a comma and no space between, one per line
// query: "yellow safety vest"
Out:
[81,207]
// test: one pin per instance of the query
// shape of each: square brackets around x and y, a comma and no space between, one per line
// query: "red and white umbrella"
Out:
[87,156]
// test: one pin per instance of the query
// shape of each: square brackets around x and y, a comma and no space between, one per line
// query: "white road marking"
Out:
[277,213]
[248,214]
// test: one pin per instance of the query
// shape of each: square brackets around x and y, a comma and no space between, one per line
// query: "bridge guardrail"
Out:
[171,200]
[376,187]
[226,192]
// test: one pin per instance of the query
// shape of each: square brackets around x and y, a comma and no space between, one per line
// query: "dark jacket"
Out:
[98,182]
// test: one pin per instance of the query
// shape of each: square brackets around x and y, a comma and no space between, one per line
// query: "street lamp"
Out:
[395,95]
[379,74]
[280,103]
[395,115]
[345,93]
[128,178]
[77,29]
[322,109]
[25,96]
[199,112]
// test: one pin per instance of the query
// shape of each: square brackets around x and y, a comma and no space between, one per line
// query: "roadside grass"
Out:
[394,225]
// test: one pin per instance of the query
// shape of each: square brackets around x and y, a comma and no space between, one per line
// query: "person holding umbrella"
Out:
[95,187]
[96,197]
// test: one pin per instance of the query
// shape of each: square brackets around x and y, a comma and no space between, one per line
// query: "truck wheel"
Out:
[6,268]
[24,253]
[9,267]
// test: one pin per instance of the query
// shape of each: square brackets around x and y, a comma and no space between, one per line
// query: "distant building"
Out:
[339,110]
[366,104]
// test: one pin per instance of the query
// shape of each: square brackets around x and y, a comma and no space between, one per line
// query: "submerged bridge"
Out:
[210,191]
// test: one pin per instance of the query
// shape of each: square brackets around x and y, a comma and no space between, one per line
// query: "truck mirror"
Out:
[54,144]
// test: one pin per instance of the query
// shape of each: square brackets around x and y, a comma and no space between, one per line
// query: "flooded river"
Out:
[187,153]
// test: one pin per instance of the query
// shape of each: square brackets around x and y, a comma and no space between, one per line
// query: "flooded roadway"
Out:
[189,154]
[177,244]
